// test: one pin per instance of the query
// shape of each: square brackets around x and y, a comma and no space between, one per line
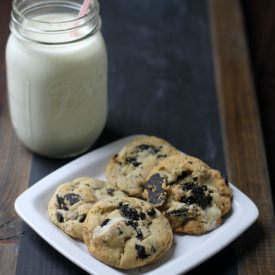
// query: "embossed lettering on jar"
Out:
[57,76]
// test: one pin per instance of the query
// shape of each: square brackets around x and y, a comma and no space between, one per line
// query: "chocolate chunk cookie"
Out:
[129,169]
[126,233]
[190,194]
[71,202]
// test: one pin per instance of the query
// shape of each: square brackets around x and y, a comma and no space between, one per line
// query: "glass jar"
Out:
[57,76]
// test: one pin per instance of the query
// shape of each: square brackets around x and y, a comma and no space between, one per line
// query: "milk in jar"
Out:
[57,76]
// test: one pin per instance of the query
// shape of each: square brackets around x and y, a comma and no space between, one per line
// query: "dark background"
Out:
[259,19]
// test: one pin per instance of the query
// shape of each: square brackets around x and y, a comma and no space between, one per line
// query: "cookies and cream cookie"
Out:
[71,201]
[129,168]
[192,196]
[126,233]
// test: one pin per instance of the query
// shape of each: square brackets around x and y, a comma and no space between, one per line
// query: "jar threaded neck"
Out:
[53,22]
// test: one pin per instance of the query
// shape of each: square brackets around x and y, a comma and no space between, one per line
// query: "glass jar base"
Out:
[61,156]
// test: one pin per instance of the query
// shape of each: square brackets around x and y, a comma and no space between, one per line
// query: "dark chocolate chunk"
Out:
[120,232]
[61,203]
[188,200]
[161,156]
[129,212]
[59,217]
[201,199]
[177,213]
[139,235]
[132,223]
[142,215]
[151,212]
[188,186]
[150,148]
[141,253]
[153,249]
[205,201]
[193,186]
[82,218]
[110,191]
[156,194]
[105,222]
[133,161]
[198,196]
[183,175]
[72,198]
[204,187]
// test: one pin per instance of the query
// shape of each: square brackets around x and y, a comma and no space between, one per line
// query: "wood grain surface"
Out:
[15,162]
[260,25]
[242,136]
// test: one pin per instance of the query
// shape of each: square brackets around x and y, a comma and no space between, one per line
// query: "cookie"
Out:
[190,194]
[70,203]
[129,168]
[126,233]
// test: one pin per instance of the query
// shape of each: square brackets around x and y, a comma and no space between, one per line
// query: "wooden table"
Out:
[179,70]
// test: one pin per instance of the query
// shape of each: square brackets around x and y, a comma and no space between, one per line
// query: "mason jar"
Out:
[57,76]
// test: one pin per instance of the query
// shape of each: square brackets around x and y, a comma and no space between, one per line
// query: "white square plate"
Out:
[187,251]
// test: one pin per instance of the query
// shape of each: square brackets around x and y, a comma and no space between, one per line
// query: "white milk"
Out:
[57,93]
